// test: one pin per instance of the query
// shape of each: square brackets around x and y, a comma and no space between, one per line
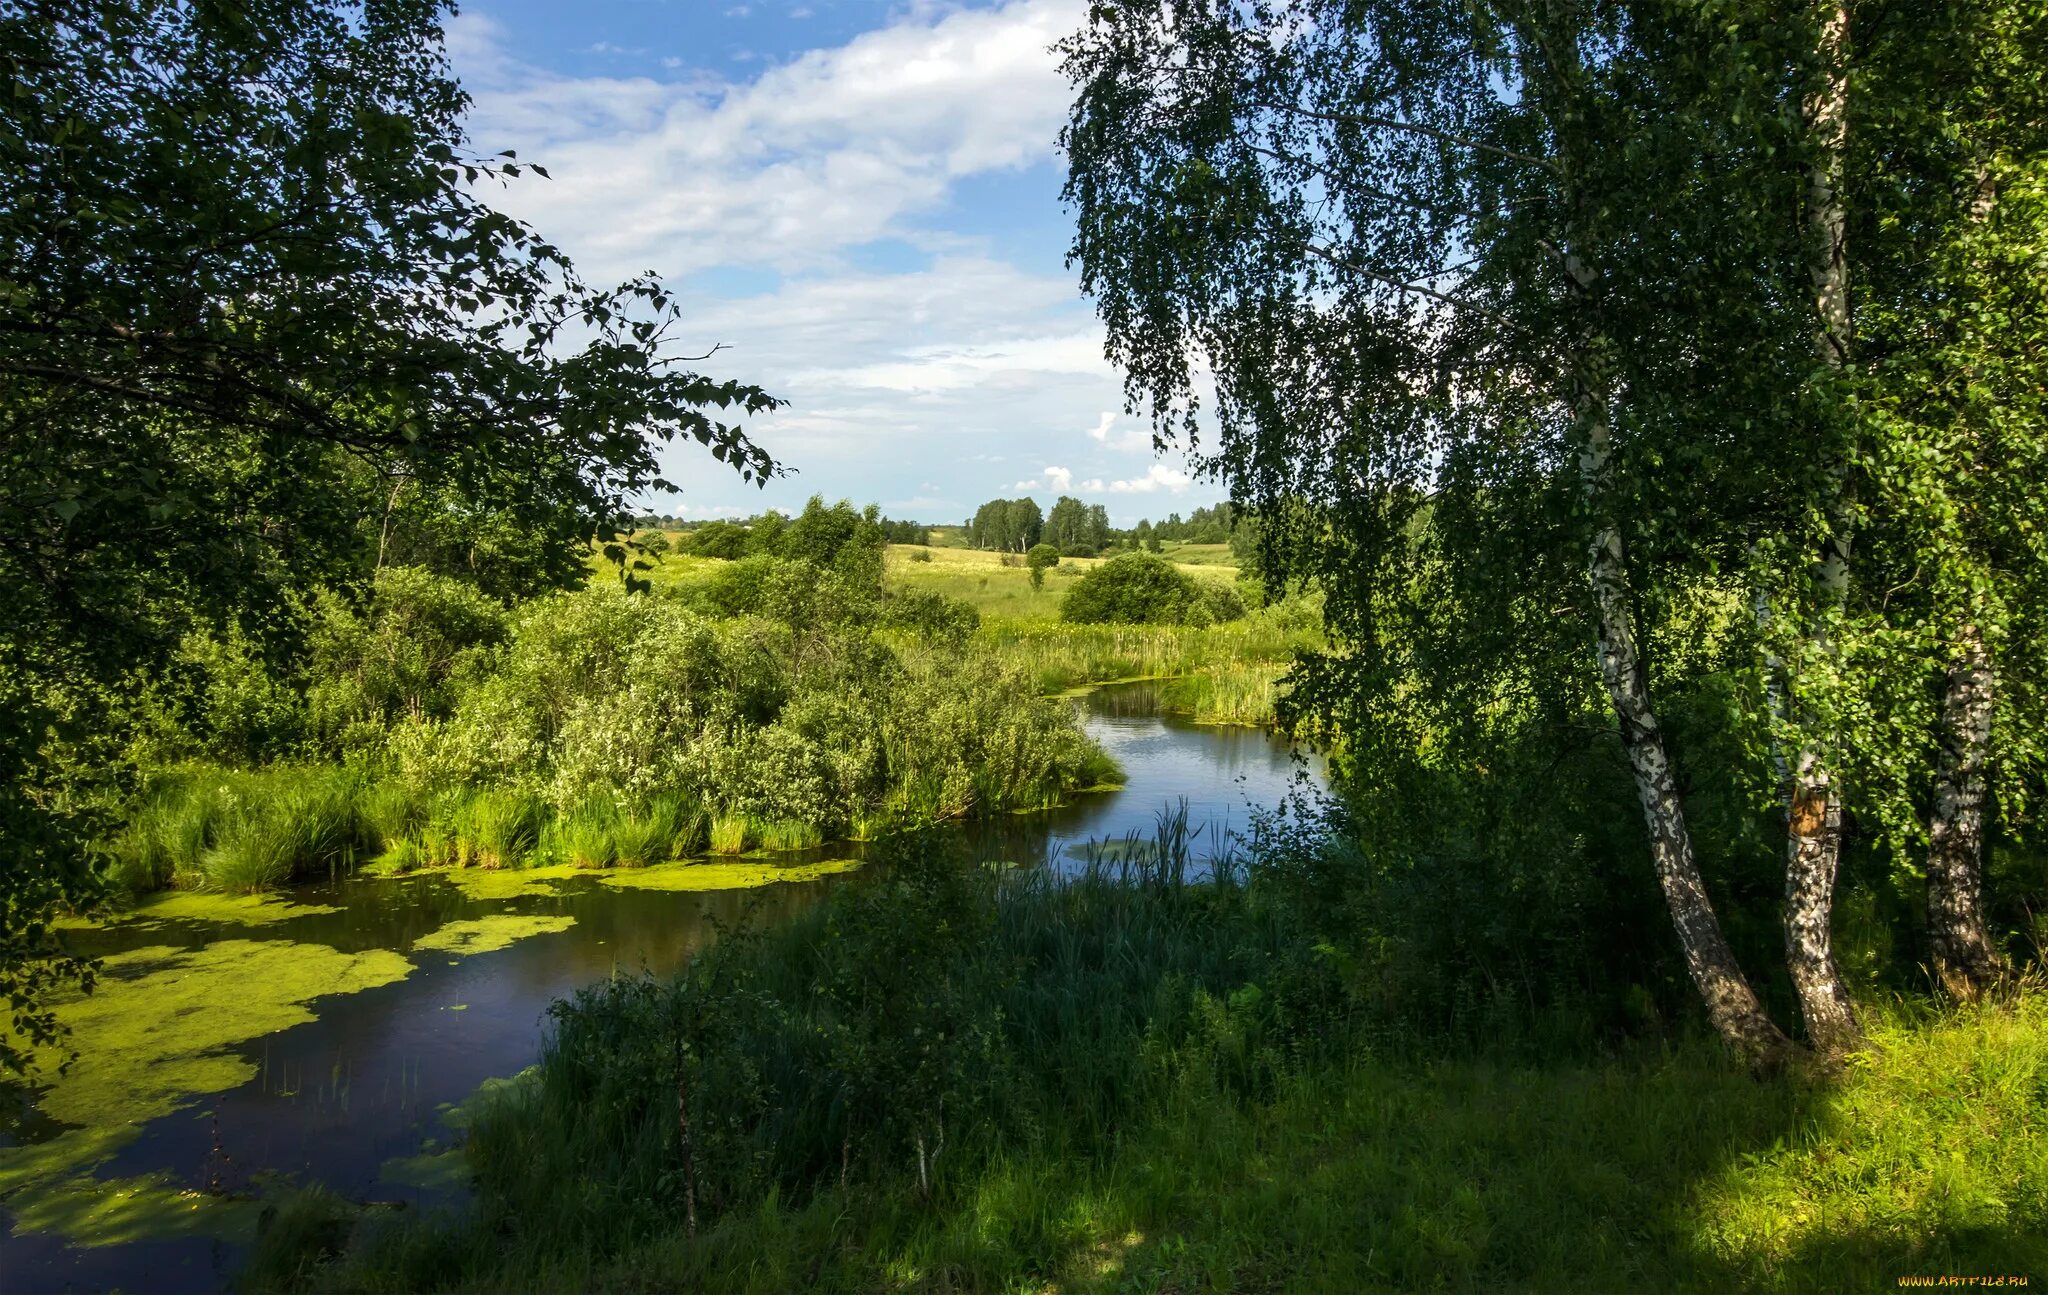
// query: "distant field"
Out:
[1198,555]
[1000,593]
[979,577]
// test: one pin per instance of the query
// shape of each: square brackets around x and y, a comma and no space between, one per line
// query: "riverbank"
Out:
[1125,1082]
[345,1085]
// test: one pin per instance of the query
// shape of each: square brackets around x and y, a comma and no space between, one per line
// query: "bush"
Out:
[1139,589]
[399,657]
[933,617]
[717,540]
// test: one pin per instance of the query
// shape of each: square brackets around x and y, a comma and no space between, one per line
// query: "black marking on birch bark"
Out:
[1814,819]
[1965,961]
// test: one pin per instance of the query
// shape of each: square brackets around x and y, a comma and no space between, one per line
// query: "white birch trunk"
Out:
[1964,959]
[1731,1004]
[1814,817]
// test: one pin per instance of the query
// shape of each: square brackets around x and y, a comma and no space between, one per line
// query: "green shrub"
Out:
[399,657]
[1139,589]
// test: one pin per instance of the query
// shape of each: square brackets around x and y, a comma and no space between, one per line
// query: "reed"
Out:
[781,835]
[729,833]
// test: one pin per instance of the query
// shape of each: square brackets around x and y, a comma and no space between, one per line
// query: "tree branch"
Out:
[1415,128]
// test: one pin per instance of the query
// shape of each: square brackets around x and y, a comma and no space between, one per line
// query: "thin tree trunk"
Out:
[1731,1004]
[1814,817]
[1964,959]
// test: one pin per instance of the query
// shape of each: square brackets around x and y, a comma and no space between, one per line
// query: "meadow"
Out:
[1222,674]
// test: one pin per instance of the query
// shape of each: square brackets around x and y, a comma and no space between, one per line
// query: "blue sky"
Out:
[860,200]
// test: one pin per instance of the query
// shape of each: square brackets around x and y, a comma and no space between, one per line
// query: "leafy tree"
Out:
[244,253]
[1066,526]
[1139,589]
[1011,525]
[1420,242]
[1041,557]
[1503,300]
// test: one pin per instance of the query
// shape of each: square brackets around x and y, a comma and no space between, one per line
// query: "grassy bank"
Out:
[777,706]
[1129,1083]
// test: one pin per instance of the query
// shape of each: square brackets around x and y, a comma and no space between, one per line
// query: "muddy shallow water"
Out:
[326,1036]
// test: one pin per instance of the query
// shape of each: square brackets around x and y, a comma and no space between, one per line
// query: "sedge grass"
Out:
[728,833]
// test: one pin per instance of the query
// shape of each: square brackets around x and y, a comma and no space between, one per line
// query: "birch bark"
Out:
[1814,817]
[1731,1004]
[1965,961]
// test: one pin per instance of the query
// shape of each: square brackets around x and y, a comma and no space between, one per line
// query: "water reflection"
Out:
[334,1100]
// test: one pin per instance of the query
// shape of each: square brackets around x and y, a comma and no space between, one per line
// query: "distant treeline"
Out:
[1083,530]
[775,533]
[1008,525]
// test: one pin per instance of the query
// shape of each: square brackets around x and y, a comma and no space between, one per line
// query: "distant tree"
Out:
[1066,526]
[1098,527]
[1038,559]
[1026,523]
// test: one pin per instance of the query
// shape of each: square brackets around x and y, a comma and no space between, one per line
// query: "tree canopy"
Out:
[262,331]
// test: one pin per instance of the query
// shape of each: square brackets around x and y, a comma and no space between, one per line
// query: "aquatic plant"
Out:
[583,836]
[782,835]
[641,839]
[499,828]
[729,833]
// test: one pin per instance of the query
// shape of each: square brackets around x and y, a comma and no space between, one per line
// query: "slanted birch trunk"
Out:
[1733,1007]
[1814,817]
[1964,959]
[1731,1004]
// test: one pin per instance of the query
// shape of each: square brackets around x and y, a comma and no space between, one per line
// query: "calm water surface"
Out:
[336,1099]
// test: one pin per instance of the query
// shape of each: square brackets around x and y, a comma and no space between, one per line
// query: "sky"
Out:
[859,200]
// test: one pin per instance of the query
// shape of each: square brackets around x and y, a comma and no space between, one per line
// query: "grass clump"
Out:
[583,837]
[729,833]
[783,836]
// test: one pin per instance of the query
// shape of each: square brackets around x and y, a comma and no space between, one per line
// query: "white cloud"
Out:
[948,373]
[1159,477]
[830,150]
[1134,439]
[1059,479]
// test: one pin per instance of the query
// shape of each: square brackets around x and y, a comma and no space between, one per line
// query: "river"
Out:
[344,1021]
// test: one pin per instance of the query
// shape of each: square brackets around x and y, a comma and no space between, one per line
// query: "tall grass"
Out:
[242,832]
[1128,1081]
[729,833]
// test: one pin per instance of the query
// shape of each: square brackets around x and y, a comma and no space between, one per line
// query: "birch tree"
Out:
[1401,236]
[1954,329]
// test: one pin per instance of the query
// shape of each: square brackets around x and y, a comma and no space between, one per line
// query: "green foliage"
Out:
[398,658]
[1139,589]
[1040,558]
[324,353]
[1012,525]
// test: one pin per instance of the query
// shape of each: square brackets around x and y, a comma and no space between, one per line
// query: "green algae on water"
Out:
[489,934]
[506,883]
[721,876]
[204,906]
[158,1034]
